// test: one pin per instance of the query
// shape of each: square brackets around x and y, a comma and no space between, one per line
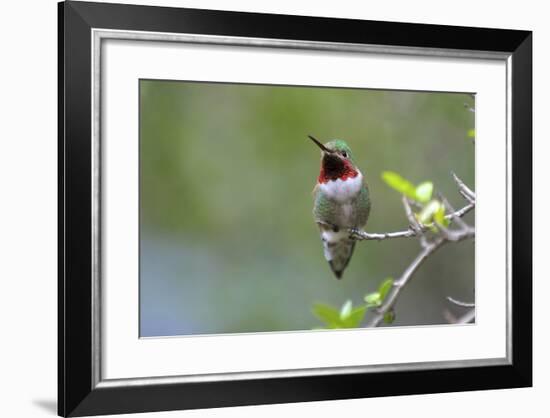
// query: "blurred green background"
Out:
[228,243]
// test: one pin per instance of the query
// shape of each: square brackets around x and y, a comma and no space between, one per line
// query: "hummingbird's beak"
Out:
[325,149]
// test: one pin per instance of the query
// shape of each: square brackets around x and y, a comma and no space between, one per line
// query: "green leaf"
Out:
[327,314]
[471,133]
[426,214]
[389,317]
[373,299]
[423,191]
[385,287]
[355,318]
[345,312]
[400,184]
[347,317]
[439,216]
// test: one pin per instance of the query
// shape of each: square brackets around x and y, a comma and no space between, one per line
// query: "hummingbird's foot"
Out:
[355,233]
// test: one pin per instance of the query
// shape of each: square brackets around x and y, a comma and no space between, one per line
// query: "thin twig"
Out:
[461,212]
[413,222]
[464,190]
[449,207]
[470,108]
[460,303]
[362,235]
[465,231]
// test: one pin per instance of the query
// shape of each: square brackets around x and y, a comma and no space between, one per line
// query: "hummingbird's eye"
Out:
[344,154]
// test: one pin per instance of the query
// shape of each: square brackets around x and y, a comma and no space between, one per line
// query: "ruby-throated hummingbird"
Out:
[342,202]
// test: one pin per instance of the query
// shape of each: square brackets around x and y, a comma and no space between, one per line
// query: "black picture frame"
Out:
[78,394]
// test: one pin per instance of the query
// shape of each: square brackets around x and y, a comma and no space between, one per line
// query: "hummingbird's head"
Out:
[336,160]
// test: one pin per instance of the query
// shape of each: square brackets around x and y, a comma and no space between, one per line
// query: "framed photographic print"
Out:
[265,208]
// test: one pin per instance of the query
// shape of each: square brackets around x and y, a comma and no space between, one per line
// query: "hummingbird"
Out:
[341,202]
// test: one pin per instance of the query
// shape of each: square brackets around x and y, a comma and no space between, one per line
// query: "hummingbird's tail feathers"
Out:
[341,259]
[338,249]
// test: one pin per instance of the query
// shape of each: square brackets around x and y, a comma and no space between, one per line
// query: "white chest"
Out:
[342,190]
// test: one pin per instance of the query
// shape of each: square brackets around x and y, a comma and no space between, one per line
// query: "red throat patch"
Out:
[333,168]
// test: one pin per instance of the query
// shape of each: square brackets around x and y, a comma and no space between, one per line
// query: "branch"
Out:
[407,233]
[445,235]
[470,108]
[461,212]
[464,190]
[402,281]
[362,235]
[460,303]
[465,230]
[398,285]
